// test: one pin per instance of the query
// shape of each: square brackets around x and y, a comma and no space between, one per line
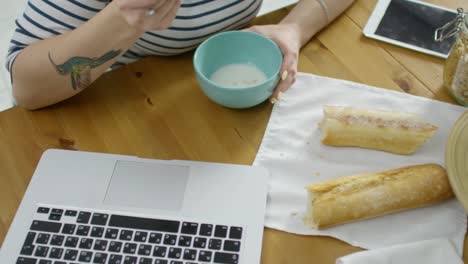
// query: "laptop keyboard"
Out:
[68,236]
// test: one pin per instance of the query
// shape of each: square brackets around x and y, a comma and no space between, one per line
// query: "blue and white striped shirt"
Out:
[196,20]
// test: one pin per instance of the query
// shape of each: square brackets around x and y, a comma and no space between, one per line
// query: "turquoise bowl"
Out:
[238,47]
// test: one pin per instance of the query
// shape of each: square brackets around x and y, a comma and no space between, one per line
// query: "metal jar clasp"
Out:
[451,28]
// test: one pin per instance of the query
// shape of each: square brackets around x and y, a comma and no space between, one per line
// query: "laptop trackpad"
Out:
[147,185]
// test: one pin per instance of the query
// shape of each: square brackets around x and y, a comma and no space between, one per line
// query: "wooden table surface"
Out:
[154,109]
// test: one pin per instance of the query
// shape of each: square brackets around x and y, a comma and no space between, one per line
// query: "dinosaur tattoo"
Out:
[79,68]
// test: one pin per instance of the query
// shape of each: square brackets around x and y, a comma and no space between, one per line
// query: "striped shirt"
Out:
[196,20]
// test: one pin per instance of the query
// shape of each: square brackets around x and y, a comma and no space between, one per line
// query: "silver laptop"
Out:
[98,208]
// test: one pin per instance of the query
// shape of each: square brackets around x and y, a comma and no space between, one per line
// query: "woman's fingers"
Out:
[147,15]
[284,85]
[287,72]
[141,4]
[162,3]
[163,16]
[169,17]
[151,4]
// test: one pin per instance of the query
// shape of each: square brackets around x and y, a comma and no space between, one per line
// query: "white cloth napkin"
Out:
[292,152]
[438,251]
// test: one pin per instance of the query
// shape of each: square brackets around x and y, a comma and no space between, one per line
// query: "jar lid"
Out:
[456,159]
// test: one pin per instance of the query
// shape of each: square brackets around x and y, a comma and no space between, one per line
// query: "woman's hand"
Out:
[288,38]
[148,15]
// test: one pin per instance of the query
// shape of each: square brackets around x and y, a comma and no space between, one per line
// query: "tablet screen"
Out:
[415,24]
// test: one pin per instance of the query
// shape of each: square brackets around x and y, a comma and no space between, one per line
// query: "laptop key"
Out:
[206,230]
[100,245]
[190,254]
[176,262]
[148,224]
[140,236]
[130,260]
[159,251]
[185,241]
[45,261]
[115,259]
[100,258]
[85,256]
[155,238]
[68,229]
[145,261]
[175,253]
[55,217]
[45,226]
[99,219]
[220,231]
[42,238]
[86,243]
[189,228]
[27,250]
[29,238]
[144,250]
[232,245]
[56,253]
[83,217]
[23,260]
[59,262]
[235,232]
[111,233]
[130,248]
[83,230]
[199,242]
[126,235]
[56,214]
[43,210]
[41,251]
[226,258]
[71,242]
[57,240]
[215,244]
[115,246]
[170,239]
[160,261]
[205,256]
[97,232]
[70,254]
[71,213]
[57,211]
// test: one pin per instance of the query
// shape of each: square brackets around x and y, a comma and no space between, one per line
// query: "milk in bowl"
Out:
[238,75]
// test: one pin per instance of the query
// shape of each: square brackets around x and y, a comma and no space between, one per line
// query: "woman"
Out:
[61,46]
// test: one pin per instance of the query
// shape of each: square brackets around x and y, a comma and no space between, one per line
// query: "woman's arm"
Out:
[306,19]
[53,69]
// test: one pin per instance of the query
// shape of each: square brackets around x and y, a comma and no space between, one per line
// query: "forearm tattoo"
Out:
[79,68]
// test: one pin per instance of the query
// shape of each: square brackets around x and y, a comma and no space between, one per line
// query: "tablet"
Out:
[410,24]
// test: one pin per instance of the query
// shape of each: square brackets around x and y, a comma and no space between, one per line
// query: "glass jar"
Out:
[456,65]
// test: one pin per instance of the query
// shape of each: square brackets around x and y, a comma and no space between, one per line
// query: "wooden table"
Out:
[154,109]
